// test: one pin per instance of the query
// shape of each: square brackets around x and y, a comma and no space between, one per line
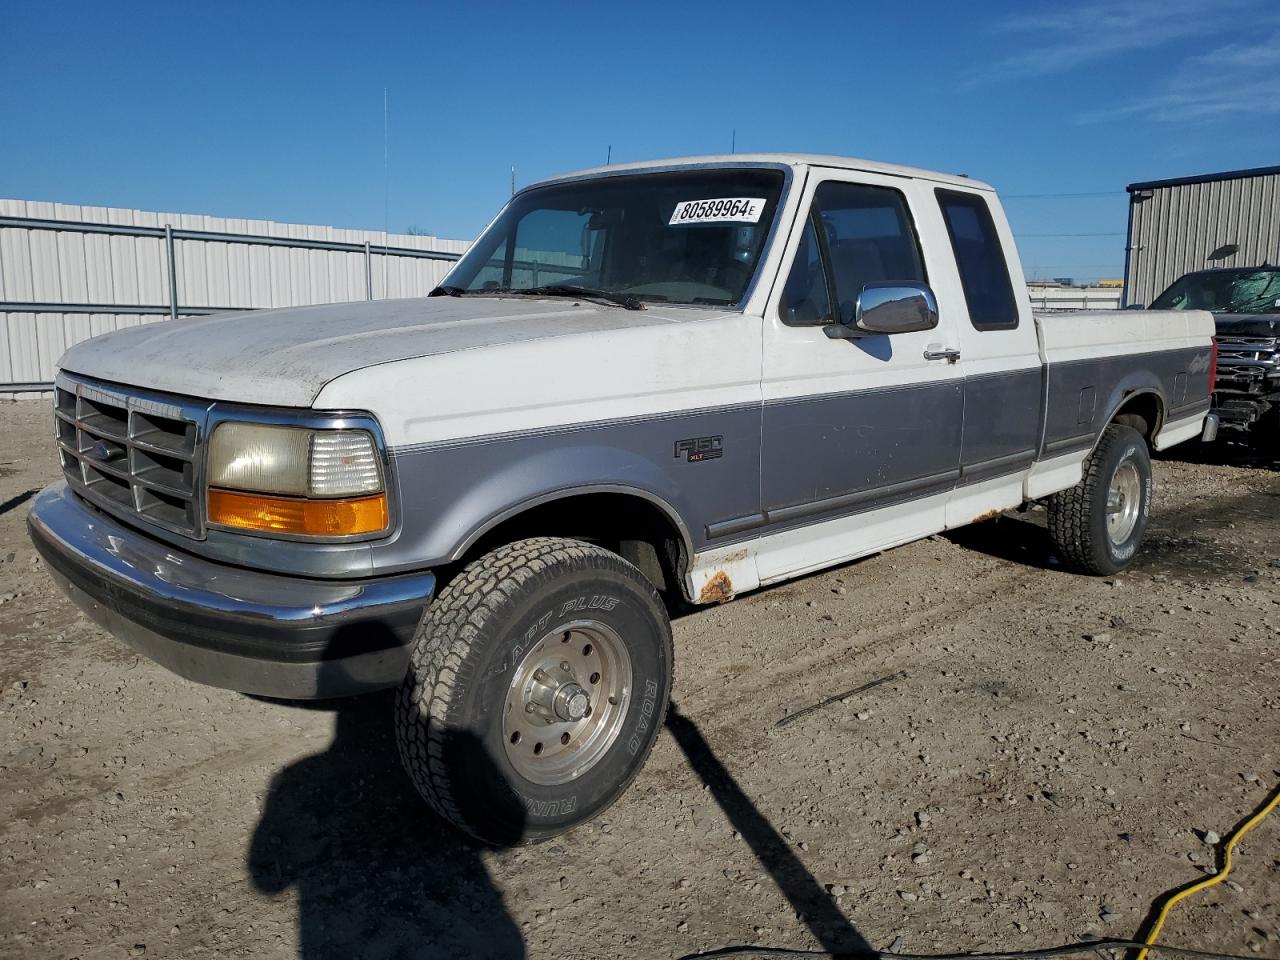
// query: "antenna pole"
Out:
[513,179]
[608,159]
[386,184]
[733,141]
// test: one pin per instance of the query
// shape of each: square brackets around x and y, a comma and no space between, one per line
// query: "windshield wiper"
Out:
[549,290]
[590,293]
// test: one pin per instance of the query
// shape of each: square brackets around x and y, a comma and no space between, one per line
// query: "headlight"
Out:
[296,480]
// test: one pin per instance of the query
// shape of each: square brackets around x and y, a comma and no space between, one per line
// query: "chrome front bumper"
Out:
[226,626]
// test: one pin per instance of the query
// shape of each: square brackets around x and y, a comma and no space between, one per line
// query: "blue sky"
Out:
[275,111]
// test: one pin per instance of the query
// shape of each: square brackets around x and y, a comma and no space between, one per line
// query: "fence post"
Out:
[368,272]
[173,272]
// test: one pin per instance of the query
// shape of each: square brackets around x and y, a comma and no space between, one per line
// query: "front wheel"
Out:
[1099,523]
[538,680]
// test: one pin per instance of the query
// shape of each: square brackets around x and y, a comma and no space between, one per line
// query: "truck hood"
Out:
[284,357]
[1247,324]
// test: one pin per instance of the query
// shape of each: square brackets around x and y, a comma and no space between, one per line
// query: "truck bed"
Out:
[1096,360]
[1085,334]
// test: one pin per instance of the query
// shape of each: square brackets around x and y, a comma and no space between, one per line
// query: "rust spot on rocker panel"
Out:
[989,515]
[719,589]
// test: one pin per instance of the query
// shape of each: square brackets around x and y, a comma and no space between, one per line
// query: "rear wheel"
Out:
[538,680]
[1099,523]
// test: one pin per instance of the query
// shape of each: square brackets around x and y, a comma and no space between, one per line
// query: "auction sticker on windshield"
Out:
[722,210]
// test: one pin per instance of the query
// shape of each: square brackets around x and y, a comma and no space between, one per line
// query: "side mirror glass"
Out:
[889,308]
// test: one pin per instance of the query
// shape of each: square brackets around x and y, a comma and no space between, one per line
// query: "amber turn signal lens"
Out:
[310,518]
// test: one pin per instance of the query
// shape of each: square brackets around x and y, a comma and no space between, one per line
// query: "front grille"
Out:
[1246,360]
[133,454]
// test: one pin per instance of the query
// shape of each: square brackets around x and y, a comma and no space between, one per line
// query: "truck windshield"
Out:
[1252,290]
[681,237]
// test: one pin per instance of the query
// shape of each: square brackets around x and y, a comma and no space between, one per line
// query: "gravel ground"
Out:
[1042,765]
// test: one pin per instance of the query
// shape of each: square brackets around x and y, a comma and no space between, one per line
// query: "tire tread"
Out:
[1070,512]
[451,626]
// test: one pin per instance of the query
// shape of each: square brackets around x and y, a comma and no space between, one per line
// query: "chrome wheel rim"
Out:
[566,702]
[1124,500]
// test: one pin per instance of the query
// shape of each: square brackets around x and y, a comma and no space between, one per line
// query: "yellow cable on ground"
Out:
[1212,881]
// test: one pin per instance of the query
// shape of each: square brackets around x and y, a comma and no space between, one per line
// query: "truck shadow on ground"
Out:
[1018,539]
[815,908]
[375,873]
[1195,543]
[1227,452]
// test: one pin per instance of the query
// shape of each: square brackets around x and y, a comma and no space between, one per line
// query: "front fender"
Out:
[550,475]
[452,493]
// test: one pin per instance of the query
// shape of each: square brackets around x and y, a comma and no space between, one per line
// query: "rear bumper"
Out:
[226,626]
[1210,431]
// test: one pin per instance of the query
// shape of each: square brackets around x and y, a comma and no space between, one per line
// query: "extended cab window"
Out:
[868,238]
[984,273]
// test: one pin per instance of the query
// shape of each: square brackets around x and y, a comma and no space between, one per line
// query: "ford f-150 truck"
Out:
[643,386]
[1245,302]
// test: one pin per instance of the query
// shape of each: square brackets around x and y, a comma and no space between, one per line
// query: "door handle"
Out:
[937,352]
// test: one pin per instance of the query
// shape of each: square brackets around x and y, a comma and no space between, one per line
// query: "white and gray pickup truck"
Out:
[643,387]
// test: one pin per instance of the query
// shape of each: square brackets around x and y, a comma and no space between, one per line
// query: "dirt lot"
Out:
[1042,771]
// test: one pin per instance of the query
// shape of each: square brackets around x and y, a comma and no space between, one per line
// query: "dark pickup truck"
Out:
[1245,303]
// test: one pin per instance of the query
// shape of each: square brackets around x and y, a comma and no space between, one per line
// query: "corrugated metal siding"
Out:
[1173,231]
[44,266]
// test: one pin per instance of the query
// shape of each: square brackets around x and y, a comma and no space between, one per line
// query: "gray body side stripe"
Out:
[986,469]
[1188,410]
[1070,444]
[783,464]
[867,498]
[844,448]
[1083,395]
[727,528]
[836,508]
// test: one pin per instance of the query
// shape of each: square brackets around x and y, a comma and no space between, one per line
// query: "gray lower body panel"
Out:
[727,474]
[845,447]
[1083,394]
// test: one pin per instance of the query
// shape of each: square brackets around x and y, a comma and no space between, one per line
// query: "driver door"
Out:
[860,437]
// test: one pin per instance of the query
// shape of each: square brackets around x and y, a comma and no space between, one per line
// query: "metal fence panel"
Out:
[69,267]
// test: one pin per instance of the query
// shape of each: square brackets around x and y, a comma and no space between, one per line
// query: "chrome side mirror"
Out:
[889,308]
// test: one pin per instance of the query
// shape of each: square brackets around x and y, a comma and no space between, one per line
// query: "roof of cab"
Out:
[788,159]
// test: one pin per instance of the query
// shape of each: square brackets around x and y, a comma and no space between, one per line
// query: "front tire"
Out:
[1099,523]
[538,680]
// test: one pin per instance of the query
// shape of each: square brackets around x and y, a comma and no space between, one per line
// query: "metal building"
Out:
[70,272]
[1189,223]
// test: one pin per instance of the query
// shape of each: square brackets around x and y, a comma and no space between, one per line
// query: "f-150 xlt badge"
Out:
[696,449]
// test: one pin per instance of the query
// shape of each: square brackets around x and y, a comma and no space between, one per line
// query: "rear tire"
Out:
[1099,523]
[539,678]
